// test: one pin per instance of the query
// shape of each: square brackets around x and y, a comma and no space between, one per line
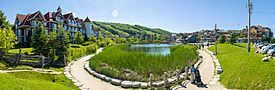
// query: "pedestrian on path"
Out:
[193,71]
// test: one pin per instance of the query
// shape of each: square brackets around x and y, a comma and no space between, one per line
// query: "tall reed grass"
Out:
[116,62]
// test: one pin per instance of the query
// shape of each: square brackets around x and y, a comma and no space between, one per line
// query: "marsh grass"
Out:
[243,70]
[141,64]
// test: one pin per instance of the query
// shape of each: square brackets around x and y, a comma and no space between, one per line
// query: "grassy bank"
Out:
[116,62]
[243,70]
[35,81]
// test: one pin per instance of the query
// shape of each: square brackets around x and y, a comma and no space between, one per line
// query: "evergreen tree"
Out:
[62,45]
[3,22]
[79,38]
[52,42]
[40,39]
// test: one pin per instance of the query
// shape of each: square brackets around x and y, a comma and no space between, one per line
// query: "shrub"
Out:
[77,52]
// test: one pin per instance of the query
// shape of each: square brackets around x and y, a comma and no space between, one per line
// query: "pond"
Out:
[154,49]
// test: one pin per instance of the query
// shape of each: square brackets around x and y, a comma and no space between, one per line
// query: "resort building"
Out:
[25,23]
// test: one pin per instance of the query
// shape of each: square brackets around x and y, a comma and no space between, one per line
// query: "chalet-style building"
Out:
[26,23]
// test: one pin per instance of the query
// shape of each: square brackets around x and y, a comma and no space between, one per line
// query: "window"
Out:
[34,23]
[65,27]
[45,23]
[18,32]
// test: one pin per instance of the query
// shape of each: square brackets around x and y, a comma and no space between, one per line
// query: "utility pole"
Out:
[249,23]
[216,48]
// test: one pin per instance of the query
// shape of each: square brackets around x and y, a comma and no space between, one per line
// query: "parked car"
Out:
[260,46]
[266,48]
[271,52]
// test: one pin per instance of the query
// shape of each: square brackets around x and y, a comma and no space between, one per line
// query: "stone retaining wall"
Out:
[218,69]
[135,84]
[67,72]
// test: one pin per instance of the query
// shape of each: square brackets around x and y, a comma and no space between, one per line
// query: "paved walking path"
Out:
[90,82]
[32,70]
[207,73]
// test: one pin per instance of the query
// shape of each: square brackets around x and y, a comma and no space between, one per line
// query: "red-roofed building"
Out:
[26,23]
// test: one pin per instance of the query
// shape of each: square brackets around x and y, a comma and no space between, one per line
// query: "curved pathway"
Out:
[207,73]
[89,81]
[32,70]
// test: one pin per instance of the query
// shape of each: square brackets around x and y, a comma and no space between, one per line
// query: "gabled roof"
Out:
[79,20]
[66,16]
[31,16]
[87,20]
[20,17]
[48,16]
[59,9]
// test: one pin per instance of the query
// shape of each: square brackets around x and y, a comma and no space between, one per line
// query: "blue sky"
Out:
[171,15]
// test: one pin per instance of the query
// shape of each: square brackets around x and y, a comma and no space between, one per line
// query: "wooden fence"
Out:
[30,60]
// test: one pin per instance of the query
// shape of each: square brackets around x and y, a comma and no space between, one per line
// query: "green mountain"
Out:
[126,30]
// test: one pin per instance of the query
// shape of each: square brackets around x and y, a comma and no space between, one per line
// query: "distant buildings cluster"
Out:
[257,34]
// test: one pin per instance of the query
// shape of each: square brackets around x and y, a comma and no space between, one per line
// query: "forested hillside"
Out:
[126,30]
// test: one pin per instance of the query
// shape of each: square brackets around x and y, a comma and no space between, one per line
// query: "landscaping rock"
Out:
[265,59]
[101,76]
[116,82]
[126,84]
[158,83]
[107,79]
[136,84]
[143,85]
[78,84]
[171,80]
[96,74]
[218,69]
[74,80]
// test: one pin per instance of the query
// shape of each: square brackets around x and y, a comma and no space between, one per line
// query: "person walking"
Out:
[193,71]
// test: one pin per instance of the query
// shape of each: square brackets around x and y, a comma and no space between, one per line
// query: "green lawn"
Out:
[35,81]
[24,50]
[243,70]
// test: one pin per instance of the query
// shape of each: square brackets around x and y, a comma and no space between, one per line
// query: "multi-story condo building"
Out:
[26,23]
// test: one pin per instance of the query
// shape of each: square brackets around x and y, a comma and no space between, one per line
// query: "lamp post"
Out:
[216,35]
[249,23]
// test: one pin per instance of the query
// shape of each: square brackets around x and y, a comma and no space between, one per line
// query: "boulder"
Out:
[136,84]
[144,85]
[126,84]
